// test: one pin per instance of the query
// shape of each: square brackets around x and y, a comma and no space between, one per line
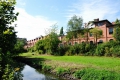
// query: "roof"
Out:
[101,21]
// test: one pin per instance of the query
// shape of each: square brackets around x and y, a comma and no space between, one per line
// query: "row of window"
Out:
[91,42]
[110,32]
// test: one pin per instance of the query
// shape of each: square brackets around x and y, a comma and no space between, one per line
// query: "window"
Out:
[90,34]
[110,30]
[91,42]
[100,41]
[75,42]
[100,24]
[83,42]
[111,40]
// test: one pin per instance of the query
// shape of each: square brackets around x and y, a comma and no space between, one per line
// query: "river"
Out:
[30,73]
[14,70]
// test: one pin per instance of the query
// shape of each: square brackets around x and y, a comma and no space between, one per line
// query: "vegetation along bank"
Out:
[76,67]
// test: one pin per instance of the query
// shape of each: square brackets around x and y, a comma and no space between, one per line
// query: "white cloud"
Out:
[21,2]
[29,26]
[91,9]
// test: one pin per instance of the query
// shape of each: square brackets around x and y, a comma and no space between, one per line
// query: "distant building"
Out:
[106,26]
[31,43]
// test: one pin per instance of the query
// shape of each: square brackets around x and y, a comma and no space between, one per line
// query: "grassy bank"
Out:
[109,63]
[64,63]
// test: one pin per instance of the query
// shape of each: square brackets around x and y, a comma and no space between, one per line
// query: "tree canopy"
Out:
[7,32]
[116,33]
[97,33]
[74,26]
[61,32]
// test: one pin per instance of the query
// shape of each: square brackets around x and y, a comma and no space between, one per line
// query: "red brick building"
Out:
[106,26]
[31,43]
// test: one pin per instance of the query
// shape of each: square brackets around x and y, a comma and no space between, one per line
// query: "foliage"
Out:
[51,41]
[97,33]
[60,71]
[61,32]
[115,51]
[19,46]
[85,32]
[10,70]
[62,50]
[107,48]
[116,33]
[46,67]
[39,46]
[79,49]
[74,26]
[31,49]
[7,32]
[93,74]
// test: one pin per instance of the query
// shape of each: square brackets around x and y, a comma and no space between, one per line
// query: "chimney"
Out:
[96,20]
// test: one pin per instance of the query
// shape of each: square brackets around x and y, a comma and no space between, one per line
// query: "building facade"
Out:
[31,43]
[106,27]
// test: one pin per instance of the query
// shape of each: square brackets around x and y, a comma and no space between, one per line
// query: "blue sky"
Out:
[36,16]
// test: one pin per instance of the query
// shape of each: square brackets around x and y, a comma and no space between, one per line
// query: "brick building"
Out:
[31,43]
[106,26]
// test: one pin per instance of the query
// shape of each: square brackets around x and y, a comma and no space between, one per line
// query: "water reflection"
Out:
[31,74]
[10,70]
[13,70]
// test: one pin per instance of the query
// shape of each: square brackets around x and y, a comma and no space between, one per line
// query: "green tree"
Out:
[74,27]
[85,32]
[7,32]
[39,46]
[52,41]
[116,33]
[97,33]
[19,46]
[61,32]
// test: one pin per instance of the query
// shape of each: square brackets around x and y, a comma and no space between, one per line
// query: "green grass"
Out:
[108,63]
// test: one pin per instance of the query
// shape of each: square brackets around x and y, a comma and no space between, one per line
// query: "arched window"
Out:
[75,42]
[111,40]
[91,42]
[100,41]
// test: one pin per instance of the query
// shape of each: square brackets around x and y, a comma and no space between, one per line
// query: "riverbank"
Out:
[76,67]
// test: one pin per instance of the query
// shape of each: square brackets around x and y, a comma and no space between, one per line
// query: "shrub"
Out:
[60,71]
[46,68]
[93,74]
[107,49]
[116,51]
[62,50]
[40,51]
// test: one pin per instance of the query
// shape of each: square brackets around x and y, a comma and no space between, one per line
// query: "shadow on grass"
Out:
[33,62]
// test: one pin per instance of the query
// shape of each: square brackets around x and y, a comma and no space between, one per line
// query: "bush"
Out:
[116,51]
[46,68]
[60,71]
[93,74]
[107,48]
[62,50]
[31,49]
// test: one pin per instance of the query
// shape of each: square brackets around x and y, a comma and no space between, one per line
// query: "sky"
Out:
[37,16]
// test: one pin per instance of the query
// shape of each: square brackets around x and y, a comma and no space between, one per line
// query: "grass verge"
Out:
[61,64]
